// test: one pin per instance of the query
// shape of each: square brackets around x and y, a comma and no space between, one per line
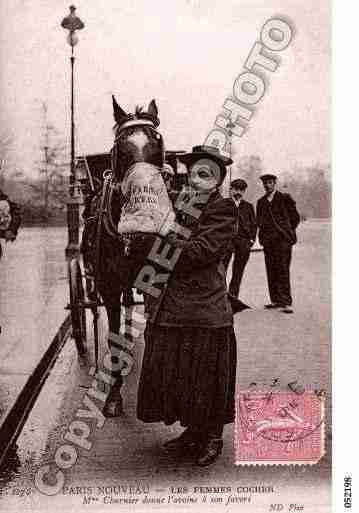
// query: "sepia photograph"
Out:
[165,256]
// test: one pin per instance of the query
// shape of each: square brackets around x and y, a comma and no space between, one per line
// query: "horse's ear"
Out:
[152,109]
[118,113]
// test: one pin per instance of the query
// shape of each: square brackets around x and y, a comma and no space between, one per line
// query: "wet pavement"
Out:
[33,294]
[125,451]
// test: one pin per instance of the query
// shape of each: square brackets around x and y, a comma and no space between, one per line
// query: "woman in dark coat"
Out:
[189,365]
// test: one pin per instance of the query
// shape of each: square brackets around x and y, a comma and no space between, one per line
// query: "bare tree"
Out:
[50,187]
[5,147]
[250,168]
[310,186]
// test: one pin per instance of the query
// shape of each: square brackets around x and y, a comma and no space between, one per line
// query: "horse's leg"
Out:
[113,406]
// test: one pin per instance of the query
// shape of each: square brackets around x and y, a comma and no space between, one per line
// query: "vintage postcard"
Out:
[165,230]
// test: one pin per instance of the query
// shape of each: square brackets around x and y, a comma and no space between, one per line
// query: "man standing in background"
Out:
[277,220]
[245,235]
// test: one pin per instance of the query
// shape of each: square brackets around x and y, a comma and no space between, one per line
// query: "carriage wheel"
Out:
[77,297]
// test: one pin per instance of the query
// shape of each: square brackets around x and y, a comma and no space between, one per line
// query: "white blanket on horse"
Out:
[148,207]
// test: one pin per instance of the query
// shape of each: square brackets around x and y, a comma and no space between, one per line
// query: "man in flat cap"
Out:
[245,235]
[277,220]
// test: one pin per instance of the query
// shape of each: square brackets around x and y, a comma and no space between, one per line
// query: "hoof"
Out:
[113,408]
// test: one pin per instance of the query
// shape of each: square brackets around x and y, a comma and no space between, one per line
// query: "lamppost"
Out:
[72,23]
[229,128]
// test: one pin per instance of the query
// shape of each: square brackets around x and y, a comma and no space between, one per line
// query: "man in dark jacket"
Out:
[10,219]
[245,235]
[277,220]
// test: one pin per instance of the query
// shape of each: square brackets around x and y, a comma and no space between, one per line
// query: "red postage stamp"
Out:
[279,428]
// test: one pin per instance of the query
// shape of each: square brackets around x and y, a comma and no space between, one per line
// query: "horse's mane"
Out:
[139,113]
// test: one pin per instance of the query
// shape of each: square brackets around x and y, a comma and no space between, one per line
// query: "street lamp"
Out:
[229,127]
[72,23]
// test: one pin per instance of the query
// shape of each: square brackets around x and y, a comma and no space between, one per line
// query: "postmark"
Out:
[279,428]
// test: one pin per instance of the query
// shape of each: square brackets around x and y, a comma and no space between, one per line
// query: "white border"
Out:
[345,250]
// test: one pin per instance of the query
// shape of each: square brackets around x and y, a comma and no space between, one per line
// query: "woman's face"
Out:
[204,175]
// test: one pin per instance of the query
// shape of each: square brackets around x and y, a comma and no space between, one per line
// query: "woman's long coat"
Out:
[196,292]
[189,365]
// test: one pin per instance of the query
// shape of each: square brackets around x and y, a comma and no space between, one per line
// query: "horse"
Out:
[120,230]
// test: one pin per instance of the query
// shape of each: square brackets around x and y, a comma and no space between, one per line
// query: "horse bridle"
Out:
[130,123]
[133,123]
[108,185]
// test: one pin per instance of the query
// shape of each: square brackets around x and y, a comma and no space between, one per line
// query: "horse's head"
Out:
[136,139]
[137,163]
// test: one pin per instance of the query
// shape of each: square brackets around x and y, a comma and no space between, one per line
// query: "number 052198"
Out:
[347,492]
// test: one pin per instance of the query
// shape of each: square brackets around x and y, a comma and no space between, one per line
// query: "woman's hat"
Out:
[209,152]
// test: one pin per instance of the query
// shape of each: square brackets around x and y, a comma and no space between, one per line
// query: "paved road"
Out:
[33,293]
[124,451]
